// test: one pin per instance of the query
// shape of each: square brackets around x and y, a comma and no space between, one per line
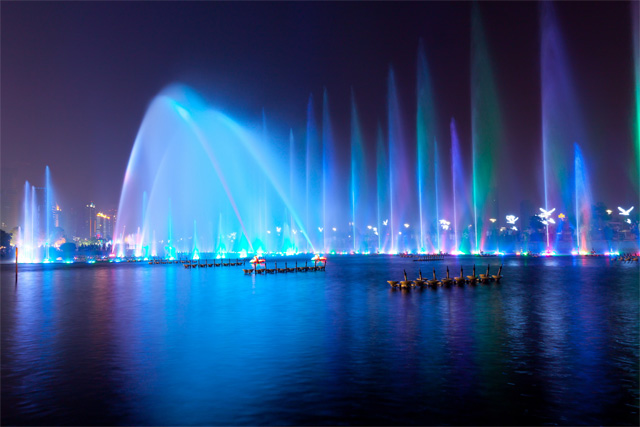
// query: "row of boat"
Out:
[286,269]
[627,258]
[436,257]
[439,255]
[197,264]
[447,281]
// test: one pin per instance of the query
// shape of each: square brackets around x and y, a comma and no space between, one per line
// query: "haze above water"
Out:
[555,343]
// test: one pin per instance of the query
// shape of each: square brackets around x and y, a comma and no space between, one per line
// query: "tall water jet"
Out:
[314,180]
[425,159]
[382,192]
[328,175]
[48,209]
[561,123]
[635,13]
[437,183]
[583,200]
[486,133]
[459,201]
[35,232]
[28,244]
[400,184]
[358,178]
[293,194]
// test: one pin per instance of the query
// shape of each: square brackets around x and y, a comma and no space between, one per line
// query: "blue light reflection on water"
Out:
[556,342]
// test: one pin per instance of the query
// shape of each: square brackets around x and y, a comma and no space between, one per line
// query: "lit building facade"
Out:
[104,226]
[90,223]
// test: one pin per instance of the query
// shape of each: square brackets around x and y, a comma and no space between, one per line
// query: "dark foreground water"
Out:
[555,343]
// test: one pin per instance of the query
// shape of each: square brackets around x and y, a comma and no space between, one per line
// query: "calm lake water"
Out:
[556,342]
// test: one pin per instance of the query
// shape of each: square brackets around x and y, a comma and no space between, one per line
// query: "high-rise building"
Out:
[90,221]
[56,211]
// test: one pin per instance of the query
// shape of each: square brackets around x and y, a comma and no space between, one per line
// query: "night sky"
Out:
[77,78]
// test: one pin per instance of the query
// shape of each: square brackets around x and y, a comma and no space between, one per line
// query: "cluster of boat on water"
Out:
[320,264]
[630,257]
[447,281]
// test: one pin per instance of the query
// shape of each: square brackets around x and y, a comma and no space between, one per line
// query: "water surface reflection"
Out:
[556,342]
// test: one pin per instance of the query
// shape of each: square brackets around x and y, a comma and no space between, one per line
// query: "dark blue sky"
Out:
[77,77]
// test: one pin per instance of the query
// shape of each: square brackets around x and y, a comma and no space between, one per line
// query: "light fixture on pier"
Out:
[625,212]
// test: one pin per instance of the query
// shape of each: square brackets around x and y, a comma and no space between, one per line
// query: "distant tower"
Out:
[90,220]
[56,212]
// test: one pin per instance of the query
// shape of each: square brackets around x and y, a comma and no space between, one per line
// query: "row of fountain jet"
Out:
[447,281]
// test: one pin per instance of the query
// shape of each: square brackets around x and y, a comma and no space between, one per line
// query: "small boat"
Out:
[393,283]
[247,270]
[460,280]
[257,260]
[319,258]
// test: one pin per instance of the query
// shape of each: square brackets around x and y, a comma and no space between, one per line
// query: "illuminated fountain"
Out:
[460,200]
[199,182]
[425,159]
[635,13]
[313,181]
[486,134]
[359,188]
[383,192]
[583,202]
[35,234]
[561,126]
